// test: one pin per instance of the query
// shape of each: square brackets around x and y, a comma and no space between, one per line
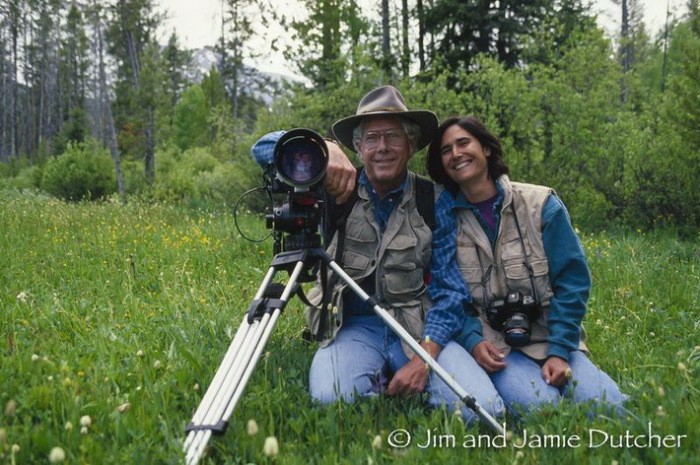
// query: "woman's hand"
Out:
[556,371]
[488,357]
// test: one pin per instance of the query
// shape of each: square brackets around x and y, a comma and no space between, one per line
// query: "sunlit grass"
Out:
[123,313]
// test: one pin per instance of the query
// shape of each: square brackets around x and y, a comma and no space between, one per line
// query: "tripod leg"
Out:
[466,398]
[229,361]
[235,371]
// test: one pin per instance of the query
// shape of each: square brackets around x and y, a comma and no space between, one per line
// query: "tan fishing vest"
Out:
[491,273]
[399,259]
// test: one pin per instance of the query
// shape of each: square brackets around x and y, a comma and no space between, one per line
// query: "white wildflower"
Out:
[10,407]
[252,427]
[271,447]
[124,407]
[57,455]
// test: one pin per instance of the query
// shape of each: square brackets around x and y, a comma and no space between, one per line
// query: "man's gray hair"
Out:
[412,130]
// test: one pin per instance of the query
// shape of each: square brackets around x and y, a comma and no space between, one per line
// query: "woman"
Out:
[514,251]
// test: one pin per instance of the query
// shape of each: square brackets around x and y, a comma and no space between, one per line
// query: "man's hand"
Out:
[413,376]
[340,174]
[488,357]
[556,371]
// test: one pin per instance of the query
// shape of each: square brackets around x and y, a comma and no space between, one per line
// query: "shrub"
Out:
[84,171]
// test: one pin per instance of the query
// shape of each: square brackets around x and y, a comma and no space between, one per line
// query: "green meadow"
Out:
[114,319]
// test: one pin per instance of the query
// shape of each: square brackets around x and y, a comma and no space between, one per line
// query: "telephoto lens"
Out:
[301,158]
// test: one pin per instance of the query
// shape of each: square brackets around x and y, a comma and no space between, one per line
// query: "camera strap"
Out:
[530,272]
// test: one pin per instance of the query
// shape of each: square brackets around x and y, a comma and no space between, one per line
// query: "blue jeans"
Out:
[366,352]
[520,384]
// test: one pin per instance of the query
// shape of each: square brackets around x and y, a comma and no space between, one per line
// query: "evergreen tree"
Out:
[177,61]
[190,119]
[132,31]
[504,29]
[74,65]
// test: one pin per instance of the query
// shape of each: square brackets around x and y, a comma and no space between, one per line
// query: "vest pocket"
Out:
[411,317]
[512,247]
[355,261]
[359,231]
[400,253]
[403,274]
[515,269]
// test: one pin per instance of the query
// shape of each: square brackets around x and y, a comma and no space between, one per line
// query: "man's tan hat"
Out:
[386,101]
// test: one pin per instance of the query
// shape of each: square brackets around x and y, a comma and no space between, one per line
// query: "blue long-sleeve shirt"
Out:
[568,273]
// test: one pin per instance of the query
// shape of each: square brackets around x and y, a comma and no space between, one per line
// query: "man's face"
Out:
[384,150]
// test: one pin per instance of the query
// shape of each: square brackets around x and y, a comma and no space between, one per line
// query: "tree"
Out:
[131,33]
[317,53]
[177,61]
[504,29]
[190,119]
[103,116]
[12,22]
[73,75]
[633,39]
[386,38]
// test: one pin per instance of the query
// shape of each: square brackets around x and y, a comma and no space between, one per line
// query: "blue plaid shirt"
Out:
[447,290]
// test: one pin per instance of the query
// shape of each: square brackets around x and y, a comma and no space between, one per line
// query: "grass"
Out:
[123,313]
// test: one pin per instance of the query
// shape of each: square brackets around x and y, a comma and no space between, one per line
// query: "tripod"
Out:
[218,403]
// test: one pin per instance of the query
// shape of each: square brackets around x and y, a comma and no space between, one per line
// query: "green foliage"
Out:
[84,171]
[73,130]
[191,119]
[134,178]
[620,144]
[124,312]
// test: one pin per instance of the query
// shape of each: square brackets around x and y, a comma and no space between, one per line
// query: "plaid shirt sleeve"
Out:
[447,290]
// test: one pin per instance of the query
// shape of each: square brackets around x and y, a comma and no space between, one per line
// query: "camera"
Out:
[513,315]
[296,168]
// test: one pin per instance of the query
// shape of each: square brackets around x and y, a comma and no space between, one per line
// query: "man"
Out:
[387,251]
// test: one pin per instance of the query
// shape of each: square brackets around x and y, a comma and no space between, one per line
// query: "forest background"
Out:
[93,105]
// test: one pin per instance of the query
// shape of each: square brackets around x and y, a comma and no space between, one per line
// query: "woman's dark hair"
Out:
[496,165]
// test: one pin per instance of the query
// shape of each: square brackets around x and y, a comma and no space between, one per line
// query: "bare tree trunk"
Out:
[663,66]
[14,122]
[625,49]
[406,52]
[150,158]
[106,109]
[386,38]
[421,33]
[3,98]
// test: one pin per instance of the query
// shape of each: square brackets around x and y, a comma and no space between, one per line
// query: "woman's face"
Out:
[464,158]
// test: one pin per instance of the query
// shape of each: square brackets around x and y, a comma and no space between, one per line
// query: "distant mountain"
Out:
[264,85]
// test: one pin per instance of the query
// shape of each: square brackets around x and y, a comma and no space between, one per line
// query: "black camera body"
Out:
[512,316]
[299,163]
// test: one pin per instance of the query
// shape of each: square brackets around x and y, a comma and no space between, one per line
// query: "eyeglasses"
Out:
[392,137]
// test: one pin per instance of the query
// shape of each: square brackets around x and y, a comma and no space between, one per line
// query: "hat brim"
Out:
[426,120]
